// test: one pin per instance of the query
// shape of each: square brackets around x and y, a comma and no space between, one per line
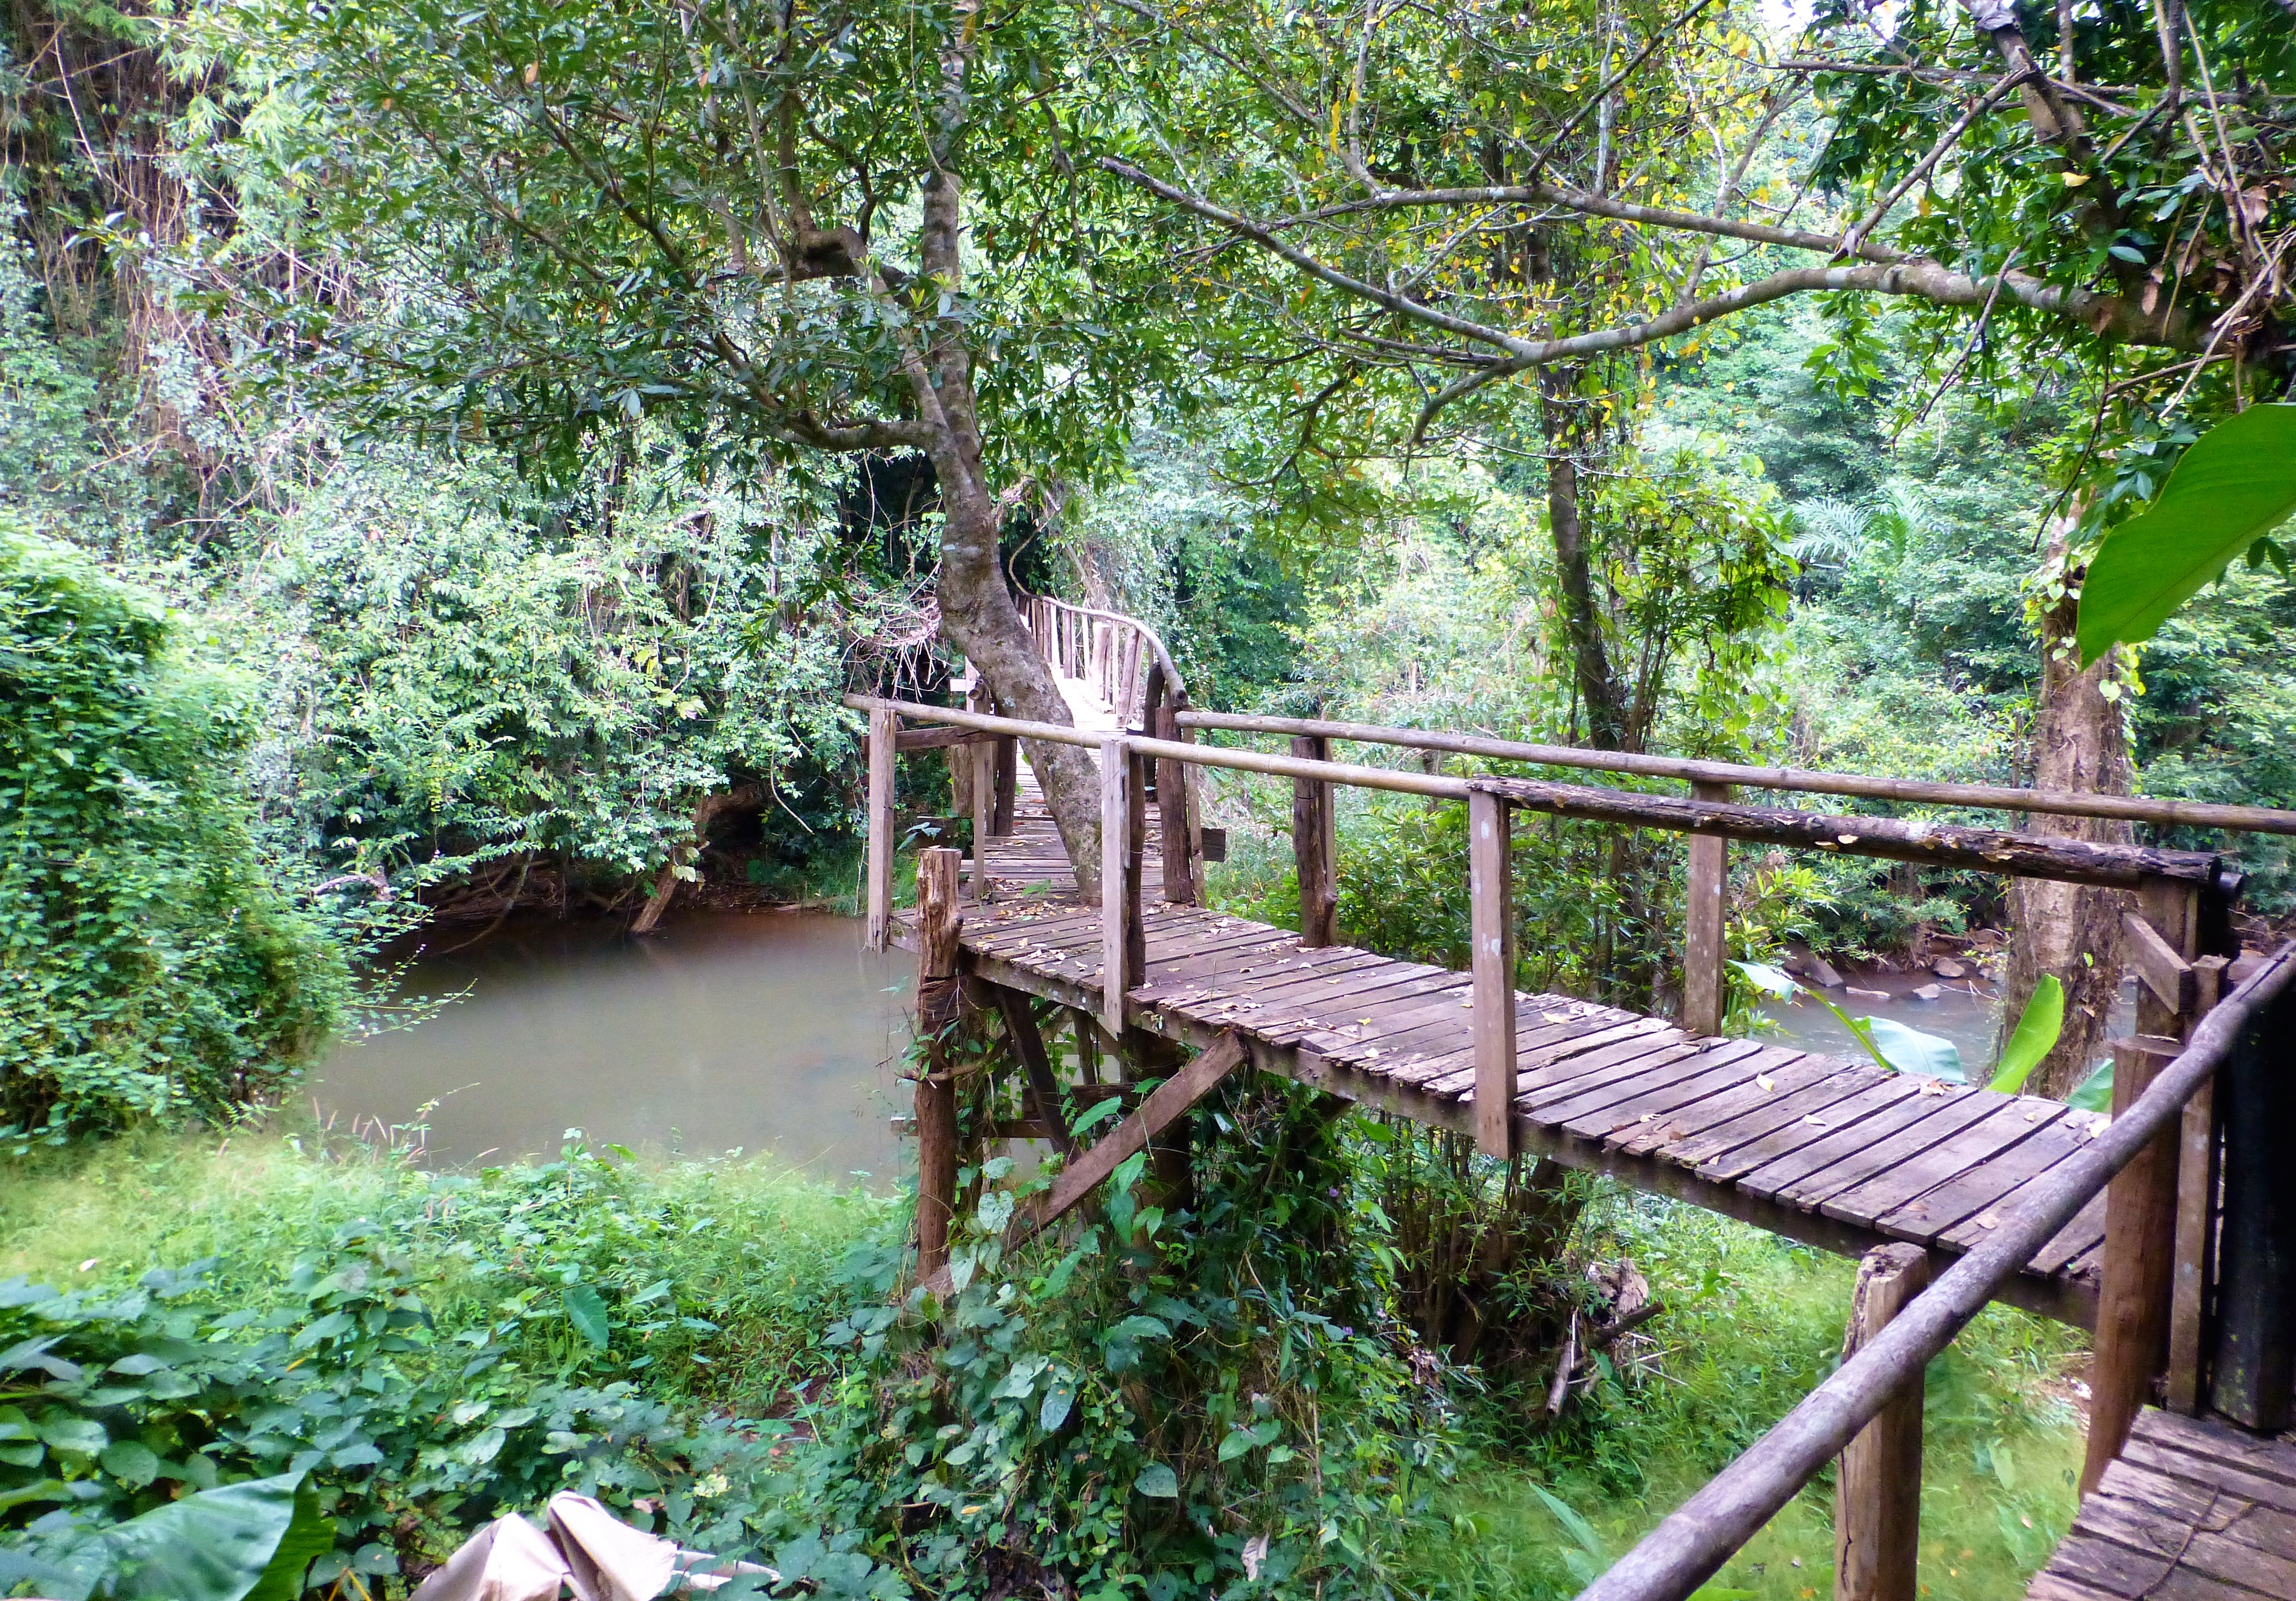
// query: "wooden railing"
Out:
[1705,959]
[2164,1212]
[2243,1043]
[1121,658]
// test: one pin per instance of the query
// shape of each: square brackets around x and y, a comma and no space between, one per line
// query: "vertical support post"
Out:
[1172,814]
[1877,1500]
[1491,926]
[1123,952]
[2140,1244]
[938,995]
[2137,1278]
[1705,917]
[982,755]
[880,869]
[2252,1339]
[1007,785]
[2196,1215]
[1315,846]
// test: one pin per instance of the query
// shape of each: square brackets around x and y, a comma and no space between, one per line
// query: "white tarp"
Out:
[586,1549]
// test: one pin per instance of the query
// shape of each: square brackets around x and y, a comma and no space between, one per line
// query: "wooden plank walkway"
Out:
[1836,1153]
[2190,1511]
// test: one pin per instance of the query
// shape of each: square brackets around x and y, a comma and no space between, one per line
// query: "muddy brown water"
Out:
[773,1032]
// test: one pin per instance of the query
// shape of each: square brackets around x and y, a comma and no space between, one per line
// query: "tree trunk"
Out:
[1582,616]
[976,612]
[2072,931]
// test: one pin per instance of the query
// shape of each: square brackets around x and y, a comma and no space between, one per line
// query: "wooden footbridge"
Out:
[2186,1265]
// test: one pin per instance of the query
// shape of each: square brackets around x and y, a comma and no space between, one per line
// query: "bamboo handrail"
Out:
[2133,808]
[1698,1537]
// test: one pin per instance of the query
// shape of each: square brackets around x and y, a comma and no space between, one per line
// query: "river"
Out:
[772,1032]
[765,1032]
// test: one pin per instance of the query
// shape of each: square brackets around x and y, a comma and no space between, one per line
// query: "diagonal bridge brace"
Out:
[1172,1099]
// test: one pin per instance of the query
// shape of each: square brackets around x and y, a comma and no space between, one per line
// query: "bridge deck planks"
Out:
[2192,1510]
[1838,1152]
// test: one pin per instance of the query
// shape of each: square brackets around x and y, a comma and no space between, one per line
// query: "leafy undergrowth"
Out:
[430,1351]
[1166,1405]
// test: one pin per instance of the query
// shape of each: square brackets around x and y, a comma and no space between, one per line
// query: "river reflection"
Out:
[770,1032]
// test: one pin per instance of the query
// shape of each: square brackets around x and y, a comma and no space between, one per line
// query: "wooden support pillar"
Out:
[1171,1100]
[2197,1172]
[2251,1339]
[1491,927]
[2140,1243]
[1180,888]
[1008,785]
[938,997]
[1316,847]
[2137,1275]
[982,756]
[1087,1048]
[1877,1502]
[880,868]
[1123,828]
[1705,919]
[1037,1068]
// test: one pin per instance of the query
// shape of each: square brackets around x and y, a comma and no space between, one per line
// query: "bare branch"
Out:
[1264,237]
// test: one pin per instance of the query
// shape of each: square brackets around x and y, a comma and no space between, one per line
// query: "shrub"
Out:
[152,963]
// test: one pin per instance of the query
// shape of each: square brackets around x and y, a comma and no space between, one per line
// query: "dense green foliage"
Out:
[742,1314]
[484,676]
[155,961]
[441,1350]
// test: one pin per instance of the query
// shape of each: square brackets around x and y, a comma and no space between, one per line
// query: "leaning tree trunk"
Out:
[976,612]
[2072,931]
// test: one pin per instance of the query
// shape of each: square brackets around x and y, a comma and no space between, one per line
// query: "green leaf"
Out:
[2096,1091]
[84,1435]
[1911,1051]
[1772,981]
[2034,1035]
[1058,1401]
[2237,483]
[251,1541]
[1100,1112]
[1157,1481]
[586,1310]
[131,1461]
[1238,1443]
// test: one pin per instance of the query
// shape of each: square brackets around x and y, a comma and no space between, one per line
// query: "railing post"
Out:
[2133,1278]
[2252,1340]
[1006,776]
[1123,822]
[2137,1276]
[982,754]
[2198,1170]
[1491,927]
[939,923]
[1315,846]
[1705,917]
[1877,1500]
[880,870]
[1172,813]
